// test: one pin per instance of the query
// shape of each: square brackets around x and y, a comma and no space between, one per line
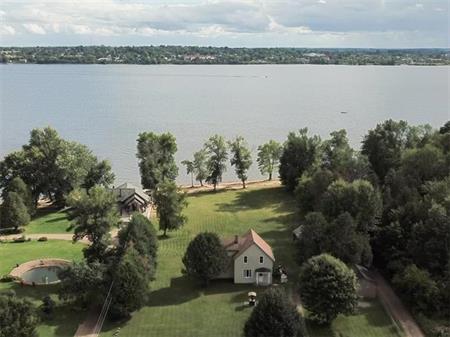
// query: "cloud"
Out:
[212,20]
[7,30]
[34,28]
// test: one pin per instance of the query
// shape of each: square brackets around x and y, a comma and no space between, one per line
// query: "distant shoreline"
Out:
[188,55]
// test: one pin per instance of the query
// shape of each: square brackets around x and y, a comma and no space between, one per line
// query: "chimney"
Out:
[236,239]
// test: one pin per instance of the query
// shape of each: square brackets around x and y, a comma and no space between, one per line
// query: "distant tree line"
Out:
[219,55]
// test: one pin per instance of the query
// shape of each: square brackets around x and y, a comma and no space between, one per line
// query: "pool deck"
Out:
[22,268]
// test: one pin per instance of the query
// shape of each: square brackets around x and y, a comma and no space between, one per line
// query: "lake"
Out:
[106,106]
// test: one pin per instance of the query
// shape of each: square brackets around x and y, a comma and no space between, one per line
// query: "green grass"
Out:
[48,222]
[180,307]
[370,320]
[65,321]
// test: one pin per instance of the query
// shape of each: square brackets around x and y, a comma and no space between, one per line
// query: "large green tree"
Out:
[327,288]
[241,158]
[200,166]
[14,211]
[18,317]
[170,202]
[18,186]
[94,214]
[130,285]
[339,237]
[384,144]
[140,234]
[156,158]
[99,174]
[300,153]
[190,169]
[274,316]
[216,149]
[268,157]
[359,198]
[205,257]
[83,284]
[49,165]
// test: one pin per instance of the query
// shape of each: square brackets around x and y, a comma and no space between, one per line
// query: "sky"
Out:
[233,23]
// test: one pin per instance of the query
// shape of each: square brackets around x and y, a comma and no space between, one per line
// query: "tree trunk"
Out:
[243,183]
[192,180]
[165,232]
[270,176]
[215,187]
[201,183]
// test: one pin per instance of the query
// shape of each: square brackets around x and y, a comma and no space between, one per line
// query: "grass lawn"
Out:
[65,321]
[48,222]
[179,307]
[370,320]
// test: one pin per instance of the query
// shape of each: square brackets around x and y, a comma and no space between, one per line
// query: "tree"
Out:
[200,167]
[130,286]
[327,287]
[94,214]
[190,169]
[49,165]
[385,144]
[205,257]
[216,149]
[268,157]
[83,284]
[99,174]
[274,316]
[419,288]
[337,154]
[156,158]
[141,235]
[338,237]
[14,211]
[358,198]
[299,154]
[310,189]
[169,206]
[242,158]
[18,317]
[18,185]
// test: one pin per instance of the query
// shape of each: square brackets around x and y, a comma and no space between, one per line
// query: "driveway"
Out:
[395,307]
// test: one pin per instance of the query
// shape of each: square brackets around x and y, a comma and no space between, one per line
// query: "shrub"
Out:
[43,238]
[8,278]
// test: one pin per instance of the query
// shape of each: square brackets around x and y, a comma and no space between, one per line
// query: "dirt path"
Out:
[395,307]
[89,326]
[53,236]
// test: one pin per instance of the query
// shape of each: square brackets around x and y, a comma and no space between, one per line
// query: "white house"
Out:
[252,259]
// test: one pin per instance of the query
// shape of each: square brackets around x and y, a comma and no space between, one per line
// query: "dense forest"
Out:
[220,55]
[387,206]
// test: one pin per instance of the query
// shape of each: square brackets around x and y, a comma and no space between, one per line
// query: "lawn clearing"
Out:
[370,320]
[65,321]
[180,307]
[48,221]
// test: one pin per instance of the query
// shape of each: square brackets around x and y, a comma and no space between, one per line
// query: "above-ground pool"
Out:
[41,275]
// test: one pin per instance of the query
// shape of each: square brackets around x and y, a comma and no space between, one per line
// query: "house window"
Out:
[247,273]
[261,259]
[245,259]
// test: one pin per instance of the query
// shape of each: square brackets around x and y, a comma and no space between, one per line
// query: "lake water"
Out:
[106,106]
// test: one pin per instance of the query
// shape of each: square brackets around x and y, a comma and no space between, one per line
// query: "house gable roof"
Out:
[246,241]
[124,191]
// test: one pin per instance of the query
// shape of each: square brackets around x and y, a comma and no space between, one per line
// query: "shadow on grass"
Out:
[276,198]
[181,290]
[319,330]
[65,319]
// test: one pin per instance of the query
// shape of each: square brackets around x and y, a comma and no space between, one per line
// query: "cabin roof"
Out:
[127,190]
